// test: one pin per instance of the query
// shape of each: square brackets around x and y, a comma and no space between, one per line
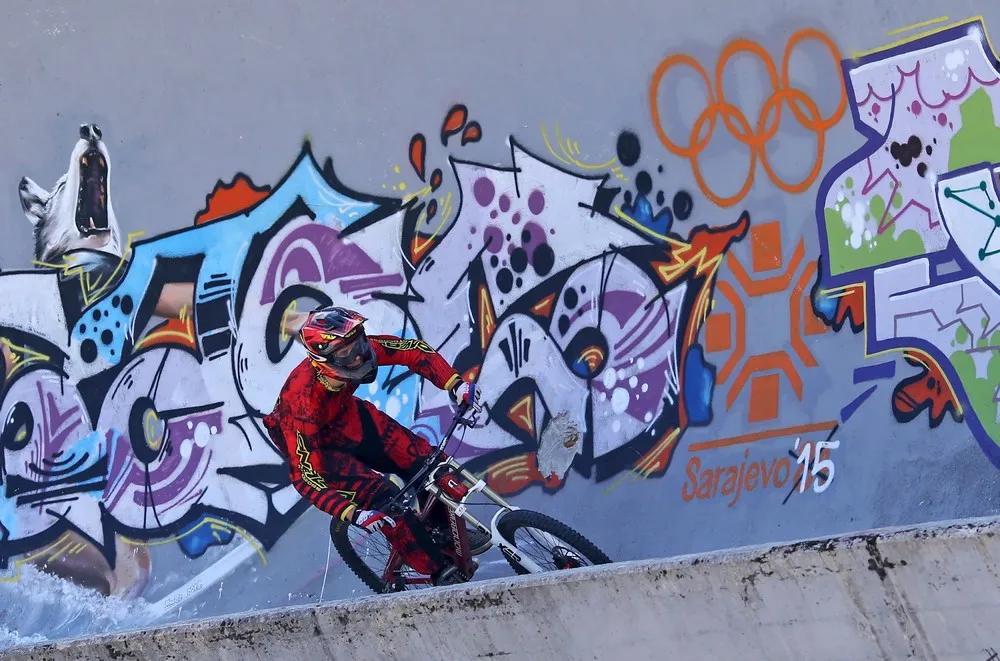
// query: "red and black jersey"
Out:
[325,431]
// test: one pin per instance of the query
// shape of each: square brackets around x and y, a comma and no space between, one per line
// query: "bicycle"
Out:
[571,549]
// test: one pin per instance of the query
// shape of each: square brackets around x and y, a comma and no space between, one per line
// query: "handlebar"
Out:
[432,460]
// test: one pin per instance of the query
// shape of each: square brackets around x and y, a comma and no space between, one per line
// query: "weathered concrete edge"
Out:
[480,591]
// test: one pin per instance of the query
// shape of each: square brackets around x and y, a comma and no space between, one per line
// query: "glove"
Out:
[469,393]
[372,520]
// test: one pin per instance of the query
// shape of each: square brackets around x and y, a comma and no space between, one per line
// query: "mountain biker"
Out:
[338,446]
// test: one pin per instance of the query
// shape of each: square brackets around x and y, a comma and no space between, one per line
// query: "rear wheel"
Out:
[367,555]
[550,543]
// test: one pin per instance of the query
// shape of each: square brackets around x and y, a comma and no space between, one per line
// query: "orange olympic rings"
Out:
[802,106]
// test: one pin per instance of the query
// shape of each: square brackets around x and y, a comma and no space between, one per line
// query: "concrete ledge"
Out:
[929,592]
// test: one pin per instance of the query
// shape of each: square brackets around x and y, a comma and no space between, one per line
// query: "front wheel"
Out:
[562,547]
[366,554]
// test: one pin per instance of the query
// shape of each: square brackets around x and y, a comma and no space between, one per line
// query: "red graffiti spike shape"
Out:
[228,199]
[432,208]
[712,241]
[418,154]
[473,133]
[517,474]
[851,308]
[453,122]
[436,178]
[926,391]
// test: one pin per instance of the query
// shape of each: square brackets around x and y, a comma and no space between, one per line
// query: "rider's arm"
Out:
[419,356]
[309,482]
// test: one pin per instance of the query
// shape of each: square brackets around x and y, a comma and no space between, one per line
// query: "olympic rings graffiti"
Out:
[802,106]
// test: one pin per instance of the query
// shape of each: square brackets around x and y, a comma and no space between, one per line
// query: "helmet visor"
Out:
[347,354]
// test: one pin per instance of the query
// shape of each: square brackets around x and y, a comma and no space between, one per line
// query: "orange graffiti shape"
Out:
[517,474]
[487,318]
[227,199]
[929,390]
[768,121]
[782,279]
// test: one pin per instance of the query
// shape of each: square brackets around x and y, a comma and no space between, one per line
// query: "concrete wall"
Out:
[913,594]
[730,241]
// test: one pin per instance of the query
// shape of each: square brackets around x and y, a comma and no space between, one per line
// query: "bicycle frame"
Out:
[457,510]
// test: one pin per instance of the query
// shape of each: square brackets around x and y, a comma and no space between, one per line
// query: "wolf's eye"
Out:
[17,429]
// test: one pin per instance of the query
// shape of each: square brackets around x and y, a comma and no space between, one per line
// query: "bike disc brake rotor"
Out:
[566,559]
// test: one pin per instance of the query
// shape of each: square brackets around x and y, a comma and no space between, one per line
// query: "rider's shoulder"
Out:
[300,379]
[302,372]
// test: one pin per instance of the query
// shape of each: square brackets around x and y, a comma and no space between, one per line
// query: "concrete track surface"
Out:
[916,593]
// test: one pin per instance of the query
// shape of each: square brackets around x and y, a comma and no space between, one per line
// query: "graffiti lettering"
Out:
[734,480]
[560,324]
[922,192]
[582,327]
[811,469]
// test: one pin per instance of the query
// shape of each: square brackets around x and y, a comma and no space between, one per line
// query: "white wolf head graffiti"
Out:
[77,212]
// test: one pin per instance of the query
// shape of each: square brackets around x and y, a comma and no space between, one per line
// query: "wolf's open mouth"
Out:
[92,198]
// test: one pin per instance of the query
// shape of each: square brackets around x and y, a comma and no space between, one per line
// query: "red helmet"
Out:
[335,340]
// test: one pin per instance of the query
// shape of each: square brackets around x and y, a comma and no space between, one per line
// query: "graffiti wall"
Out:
[747,293]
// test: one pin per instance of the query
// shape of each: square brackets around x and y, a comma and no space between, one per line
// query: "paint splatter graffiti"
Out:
[635,208]
[907,226]
[131,401]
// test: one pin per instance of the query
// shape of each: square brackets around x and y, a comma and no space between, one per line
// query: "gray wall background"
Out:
[190,92]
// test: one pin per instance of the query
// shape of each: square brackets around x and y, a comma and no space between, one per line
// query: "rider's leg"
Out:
[410,537]
[386,443]
[371,490]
